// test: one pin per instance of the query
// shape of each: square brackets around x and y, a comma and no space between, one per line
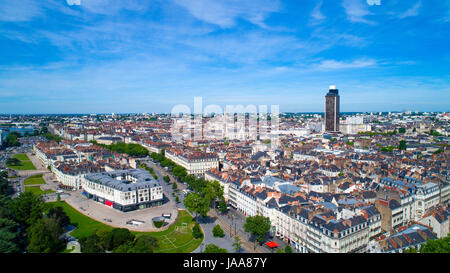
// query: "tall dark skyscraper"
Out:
[332,110]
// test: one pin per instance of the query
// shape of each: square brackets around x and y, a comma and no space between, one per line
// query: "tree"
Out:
[9,236]
[28,208]
[196,203]
[44,236]
[237,244]
[145,244]
[222,206]
[4,185]
[402,145]
[166,179]
[60,216]
[117,237]
[218,231]
[288,249]
[13,162]
[125,248]
[91,244]
[197,232]
[53,137]
[212,191]
[436,246]
[11,139]
[411,250]
[174,186]
[5,211]
[402,130]
[258,226]
[212,248]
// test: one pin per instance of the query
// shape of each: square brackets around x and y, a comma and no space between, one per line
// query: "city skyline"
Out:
[134,57]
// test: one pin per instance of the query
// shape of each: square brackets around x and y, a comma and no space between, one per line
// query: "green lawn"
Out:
[85,225]
[68,250]
[21,157]
[25,163]
[34,180]
[37,190]
[176,239]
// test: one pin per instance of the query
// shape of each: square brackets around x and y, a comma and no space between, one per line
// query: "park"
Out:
[177,238]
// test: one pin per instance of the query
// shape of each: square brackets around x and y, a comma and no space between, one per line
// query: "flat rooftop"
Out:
[124,180]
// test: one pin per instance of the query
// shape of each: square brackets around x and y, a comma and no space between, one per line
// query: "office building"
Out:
[332,110]
[123,190]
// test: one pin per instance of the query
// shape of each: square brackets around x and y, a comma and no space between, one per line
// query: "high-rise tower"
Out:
[332,110]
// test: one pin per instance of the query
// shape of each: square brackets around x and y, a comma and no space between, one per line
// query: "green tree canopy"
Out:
[60,216]
[145,244]
[212,248]
[117,237]
[197,232]
[28,208]
[288,249]
[196,203]
[91,244]
[44,236]
[218,231]
[437,246]
[13,162]
[9,236]
[402,145]
[237,244]
[258,226]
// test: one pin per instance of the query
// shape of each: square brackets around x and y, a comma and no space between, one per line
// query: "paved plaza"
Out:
[116,218]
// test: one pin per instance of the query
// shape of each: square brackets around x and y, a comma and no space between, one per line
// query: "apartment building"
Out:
[196,163]
[70,173]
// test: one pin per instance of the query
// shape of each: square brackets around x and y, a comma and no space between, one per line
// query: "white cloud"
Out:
[356,10]
[316,13]
[317,16]
[19,11]
[224,13]
[413,11]
[333,64]
[109,7]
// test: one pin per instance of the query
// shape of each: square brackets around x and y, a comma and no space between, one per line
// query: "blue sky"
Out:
[105,56]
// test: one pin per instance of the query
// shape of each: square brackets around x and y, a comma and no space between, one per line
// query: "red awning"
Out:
[272,244]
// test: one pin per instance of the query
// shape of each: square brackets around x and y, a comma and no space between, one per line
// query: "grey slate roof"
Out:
[108,179]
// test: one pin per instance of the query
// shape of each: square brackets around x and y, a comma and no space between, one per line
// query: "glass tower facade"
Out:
[332,110]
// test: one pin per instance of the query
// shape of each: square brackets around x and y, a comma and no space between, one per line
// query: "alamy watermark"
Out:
[235,122]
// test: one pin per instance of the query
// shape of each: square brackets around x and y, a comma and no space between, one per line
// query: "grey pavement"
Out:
[116,218]
[226,242]
[76,245]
